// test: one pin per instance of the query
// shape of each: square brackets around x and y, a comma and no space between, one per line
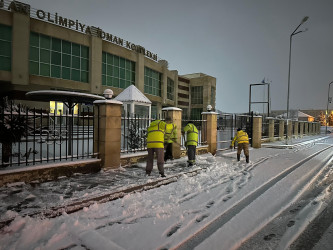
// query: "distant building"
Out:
[296,115]
[195,93]
[44,50]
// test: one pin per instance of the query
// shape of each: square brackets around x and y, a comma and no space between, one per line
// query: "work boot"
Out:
[238,157]
[148,173]
[247,159]
[162,175]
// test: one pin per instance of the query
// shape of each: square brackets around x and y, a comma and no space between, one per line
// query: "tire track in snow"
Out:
[194,240]
[288,225]
[237,181]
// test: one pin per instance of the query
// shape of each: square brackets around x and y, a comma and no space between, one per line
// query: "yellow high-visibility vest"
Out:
[170,135]
[192,134]
[155,134]
[241,137]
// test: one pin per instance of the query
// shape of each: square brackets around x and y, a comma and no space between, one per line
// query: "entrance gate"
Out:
[227,125]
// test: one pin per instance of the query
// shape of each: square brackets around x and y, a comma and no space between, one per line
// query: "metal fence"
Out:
[227,125]
[265,128]
[32,136]
[134,133]
[225,130]
[276,128]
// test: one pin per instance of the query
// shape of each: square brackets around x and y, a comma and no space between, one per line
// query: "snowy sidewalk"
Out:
[220,189]
[36,197]
[30,198]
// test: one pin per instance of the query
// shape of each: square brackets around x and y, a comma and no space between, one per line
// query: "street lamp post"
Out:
[328,101]
[295,32]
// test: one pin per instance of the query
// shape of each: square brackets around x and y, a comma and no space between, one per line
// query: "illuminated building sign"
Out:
[23,8]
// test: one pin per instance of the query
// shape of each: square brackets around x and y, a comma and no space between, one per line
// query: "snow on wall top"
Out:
[132,94]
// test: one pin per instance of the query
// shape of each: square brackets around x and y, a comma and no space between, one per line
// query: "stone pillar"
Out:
[211,130]
[271,129]
[281,130]
[306,128]
[289,129]
[20,49]
[315,131]
[318,128]
[296,129]
[176,116]
[301,129]
[95,64]
[107,132]
[257,132]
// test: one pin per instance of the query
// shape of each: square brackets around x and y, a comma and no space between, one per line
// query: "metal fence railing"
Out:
[32,136]
[225,130]
[134,133]
[265,128]
[276,128]
[227,125]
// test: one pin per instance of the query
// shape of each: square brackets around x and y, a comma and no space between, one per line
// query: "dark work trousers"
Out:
[168,152]
[160,160]
[243,146]
[191,150]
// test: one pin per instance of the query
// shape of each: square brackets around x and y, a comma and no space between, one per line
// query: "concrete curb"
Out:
[49,172]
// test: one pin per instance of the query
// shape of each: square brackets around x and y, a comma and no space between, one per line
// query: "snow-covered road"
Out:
[225,205]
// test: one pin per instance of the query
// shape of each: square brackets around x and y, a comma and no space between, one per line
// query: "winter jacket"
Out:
[241,137]
[155,134]
[192,134]
[170,135]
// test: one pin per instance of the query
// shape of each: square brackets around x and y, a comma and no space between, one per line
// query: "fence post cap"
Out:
[209,113]
[171,108]
[108,102]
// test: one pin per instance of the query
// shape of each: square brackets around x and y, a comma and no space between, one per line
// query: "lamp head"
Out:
[108,94]
[305,19]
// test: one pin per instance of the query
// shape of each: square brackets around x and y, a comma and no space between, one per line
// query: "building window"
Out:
[196,113]
[184,114]
[5,47]
[170,89]
[154,112]
[152,82]
[117,71]
[197,95]
[52,57]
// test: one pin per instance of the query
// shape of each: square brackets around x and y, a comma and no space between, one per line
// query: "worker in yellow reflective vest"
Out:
[243,144]
[191,142]
[155,144]
[170,137]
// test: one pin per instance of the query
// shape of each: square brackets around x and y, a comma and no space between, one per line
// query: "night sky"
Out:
[240,42]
